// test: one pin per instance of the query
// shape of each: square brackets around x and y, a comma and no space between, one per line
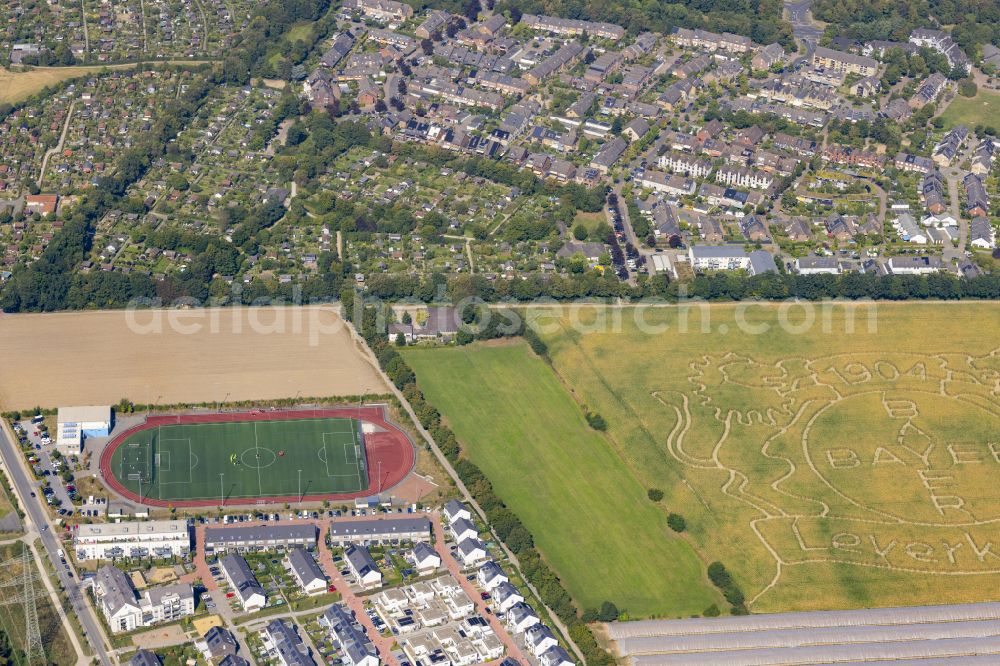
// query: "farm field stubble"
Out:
[590,518]
[825,469]
[246,354]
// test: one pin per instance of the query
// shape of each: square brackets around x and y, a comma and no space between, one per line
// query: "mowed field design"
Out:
[850,462]
[240,460]
[588,514]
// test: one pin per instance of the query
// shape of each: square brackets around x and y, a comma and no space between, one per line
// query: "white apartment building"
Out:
[745,178]
[685,164]
[125,610]
[152,538]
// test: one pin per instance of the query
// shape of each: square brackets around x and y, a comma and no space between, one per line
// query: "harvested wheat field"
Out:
[180,356]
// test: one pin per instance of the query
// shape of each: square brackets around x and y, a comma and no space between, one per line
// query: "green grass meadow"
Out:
[589,515]
[984,108]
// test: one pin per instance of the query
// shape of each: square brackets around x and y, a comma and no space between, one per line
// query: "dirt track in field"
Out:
[174,356]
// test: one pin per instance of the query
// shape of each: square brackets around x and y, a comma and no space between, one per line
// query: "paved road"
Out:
[24,485]
[803,28]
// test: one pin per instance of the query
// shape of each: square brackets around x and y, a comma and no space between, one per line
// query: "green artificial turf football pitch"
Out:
[239,460]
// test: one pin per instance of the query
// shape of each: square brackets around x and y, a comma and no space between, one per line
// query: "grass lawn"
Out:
[984,108]
[827,466]
[301,30]
[589,220]
[590,518]
[257,459]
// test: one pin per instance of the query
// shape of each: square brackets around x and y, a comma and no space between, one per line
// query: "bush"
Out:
[596,421]
[654,494]
[967,88]
[711,611]
[730,590]
[675,521]
[609,612]
[580,232]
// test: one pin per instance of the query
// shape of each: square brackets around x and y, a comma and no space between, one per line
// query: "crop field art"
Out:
[200,461]
[841,460]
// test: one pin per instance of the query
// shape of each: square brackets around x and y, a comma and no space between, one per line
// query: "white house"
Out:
[463,529]
[521,617]
[909,265]
[505,596]
[490,575]
[472,552]
[454,510]
[362,566]
[248,590]
[556,656]
[424,558]
[813,265]
[539,639]
[306,572]
[124,610]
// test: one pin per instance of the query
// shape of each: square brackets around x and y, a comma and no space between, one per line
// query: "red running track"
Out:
[392,447]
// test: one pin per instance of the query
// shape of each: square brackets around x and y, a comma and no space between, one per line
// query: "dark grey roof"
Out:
[304,565]
[453,507]
[259,534]
[116,587]
[361,560]
[233,660]
[423,550]
[380,528]
[463,524]
[491,570]
[221,642]
[144,658]
[288,643]
[469,545]
[353,641]
[241,577]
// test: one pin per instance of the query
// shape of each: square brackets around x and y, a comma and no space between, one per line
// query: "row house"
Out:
[573,27]
[603,66]
[502,83]
[710,41]
[977,202]
[383,10]
[795,144]
[659,181]
[847,156]
[744,178]
[942,42]
[767,57]
[932,192]
[564,57]
[950,146]
[913,163]
[929,90]
[847,63]
[982,159]
[685,164]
